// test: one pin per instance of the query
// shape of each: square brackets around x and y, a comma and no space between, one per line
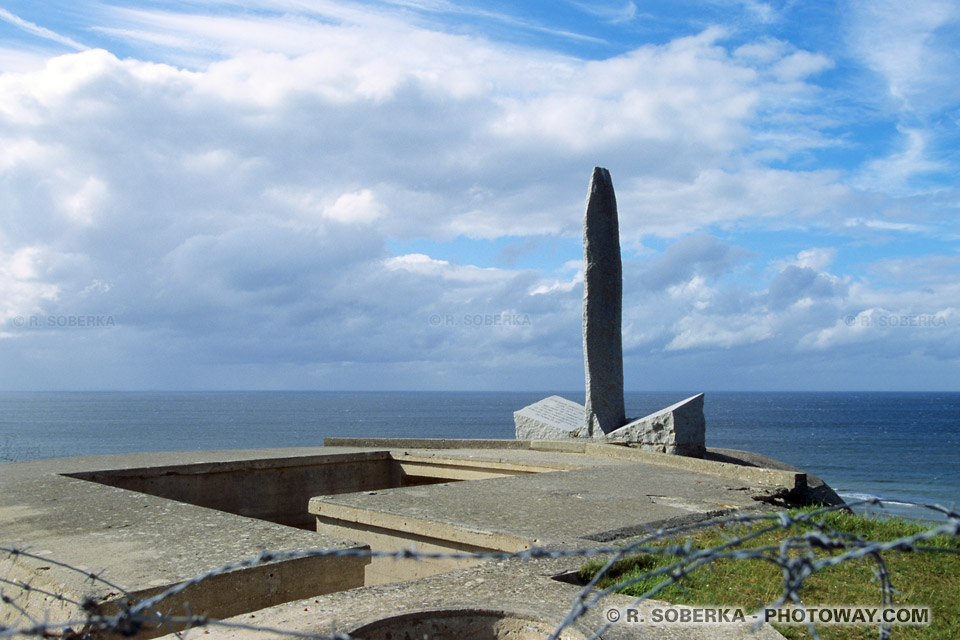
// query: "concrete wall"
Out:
[382,570]
[276,490]
[254,588]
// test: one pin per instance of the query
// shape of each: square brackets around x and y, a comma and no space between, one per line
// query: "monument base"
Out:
[679,429]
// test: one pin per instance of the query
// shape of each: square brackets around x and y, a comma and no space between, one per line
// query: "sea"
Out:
[902,448]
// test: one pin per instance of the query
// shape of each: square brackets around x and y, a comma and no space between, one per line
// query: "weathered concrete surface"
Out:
[679,429]
[521,588]
[513,513]
[602,308]
[748,468]
[146,544]
[274,489]
[577,493]
[552,418]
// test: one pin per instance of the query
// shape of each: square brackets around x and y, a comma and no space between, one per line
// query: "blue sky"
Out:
[388,194]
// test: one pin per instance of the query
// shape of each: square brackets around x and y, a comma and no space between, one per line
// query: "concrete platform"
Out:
[147,521]
[143,544]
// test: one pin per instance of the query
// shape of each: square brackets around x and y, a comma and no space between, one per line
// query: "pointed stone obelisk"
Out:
[678,429]
[602,308]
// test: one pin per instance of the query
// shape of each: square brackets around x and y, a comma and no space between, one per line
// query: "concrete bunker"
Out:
[291,491]
[278,490]
[153,521]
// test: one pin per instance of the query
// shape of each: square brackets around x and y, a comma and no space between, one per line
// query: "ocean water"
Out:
[895,446]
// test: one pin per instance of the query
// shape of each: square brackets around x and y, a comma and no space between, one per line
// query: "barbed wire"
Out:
[796,557]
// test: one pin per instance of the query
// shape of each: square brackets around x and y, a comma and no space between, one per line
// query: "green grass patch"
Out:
[921,578]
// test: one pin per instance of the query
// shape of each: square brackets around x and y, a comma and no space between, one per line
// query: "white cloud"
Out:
[37,30]
[24,283]
[817,258]
[895,173]
[761,10]
[912,50]
[714,196]
[804,286]
[360,207]
[723,332]
[910,46]
[900,331]
[240,211]
[696,254]
[615,12]
[559,285]
[800,65]
[22,60]
[923,270]
[425,265]
[885,225]
[81,205]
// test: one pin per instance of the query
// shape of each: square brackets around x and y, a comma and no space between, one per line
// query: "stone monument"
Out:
[678,429]
[602,308]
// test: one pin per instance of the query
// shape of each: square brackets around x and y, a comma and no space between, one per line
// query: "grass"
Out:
[921,578]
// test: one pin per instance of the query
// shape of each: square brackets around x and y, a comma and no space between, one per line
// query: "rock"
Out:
[678,429]
[602,308]
[552,418]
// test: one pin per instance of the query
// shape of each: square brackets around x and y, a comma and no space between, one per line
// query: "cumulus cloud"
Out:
[700,254]
[234,203]
[23,282]
[900,332]
[716,331]
[802,284]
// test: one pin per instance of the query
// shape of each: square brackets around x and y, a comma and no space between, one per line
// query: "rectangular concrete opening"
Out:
[279,490]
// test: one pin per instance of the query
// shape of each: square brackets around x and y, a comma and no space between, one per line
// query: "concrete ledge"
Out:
[789,480]
[425,443]
[226,466]
[478,539]
[451,468]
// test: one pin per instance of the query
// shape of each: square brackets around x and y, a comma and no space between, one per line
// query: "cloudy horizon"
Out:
[388,194]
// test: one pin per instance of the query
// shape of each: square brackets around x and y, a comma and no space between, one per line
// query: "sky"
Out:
[389,194]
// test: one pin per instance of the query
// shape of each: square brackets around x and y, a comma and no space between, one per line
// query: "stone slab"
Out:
[678,429]
[552,418]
